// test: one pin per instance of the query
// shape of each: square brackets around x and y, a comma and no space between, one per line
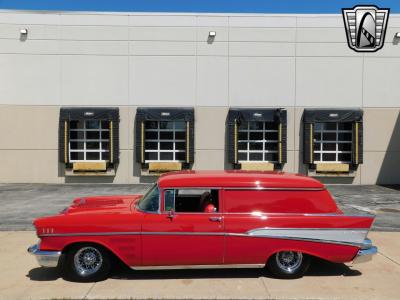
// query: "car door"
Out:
[182,238]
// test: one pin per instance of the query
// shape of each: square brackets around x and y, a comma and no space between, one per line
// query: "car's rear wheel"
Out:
[87,263]
[288,264]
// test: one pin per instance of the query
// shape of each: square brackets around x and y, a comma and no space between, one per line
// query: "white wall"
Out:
[150,59]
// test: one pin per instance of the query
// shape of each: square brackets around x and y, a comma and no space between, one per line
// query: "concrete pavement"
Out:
[21,203]
[21,278]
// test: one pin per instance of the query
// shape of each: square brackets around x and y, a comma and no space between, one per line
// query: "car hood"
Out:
[102,204]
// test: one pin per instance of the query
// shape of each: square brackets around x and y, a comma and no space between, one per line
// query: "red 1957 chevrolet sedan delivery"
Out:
[205,219]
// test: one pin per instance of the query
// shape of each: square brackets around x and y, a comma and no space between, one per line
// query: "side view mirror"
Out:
[171,213]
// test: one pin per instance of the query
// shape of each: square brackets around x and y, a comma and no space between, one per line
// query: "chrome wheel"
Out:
[87,261]
[289,261]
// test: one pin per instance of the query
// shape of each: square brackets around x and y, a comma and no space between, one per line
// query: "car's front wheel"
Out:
[288,264]
[87,263]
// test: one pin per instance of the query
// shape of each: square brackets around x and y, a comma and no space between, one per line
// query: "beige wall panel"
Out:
[17,17]
[94,48]
[212,49]
[94,19]
[94,80]
[298,130]
[163,81]
[29,127]
[324,50]
[162,34]
[222,34]
[261,81]
[291,127]
[336,81]
[321,35]
[97,33]
[212,21]
[162,48]
[210,128]
[261,49]
[290,166]
[29,79]
[259,34]
[212,81]
[381,129]
[381,168]
[29,166]
[16,46]
[35,32]
[262,21]
[381,82]
[320,21]
[299,166]
[124,126]
[162,20]
[131,127]
[122,175]
[209,160]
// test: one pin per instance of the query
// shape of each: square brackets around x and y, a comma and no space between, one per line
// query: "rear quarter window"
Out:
[271,201]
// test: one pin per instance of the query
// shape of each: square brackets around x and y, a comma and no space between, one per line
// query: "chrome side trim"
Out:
[178,267]
[90,234]
[341,236]
[45,258]
[177,233]
[184,233]
[331,235]
[301,239]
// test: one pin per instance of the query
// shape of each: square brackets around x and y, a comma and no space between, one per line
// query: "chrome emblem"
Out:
[365,27]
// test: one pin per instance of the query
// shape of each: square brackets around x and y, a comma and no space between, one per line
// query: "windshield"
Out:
[150,201]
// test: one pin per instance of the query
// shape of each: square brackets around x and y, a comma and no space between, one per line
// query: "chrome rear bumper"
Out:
[45,258]
[366,252]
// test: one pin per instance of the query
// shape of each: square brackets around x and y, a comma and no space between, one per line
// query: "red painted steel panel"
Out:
[140,238]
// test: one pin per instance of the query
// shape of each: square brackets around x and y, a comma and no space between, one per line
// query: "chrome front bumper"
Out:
[366,252]
[45,258]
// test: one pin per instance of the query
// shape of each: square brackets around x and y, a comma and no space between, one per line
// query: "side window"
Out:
[191,200]
[169,200]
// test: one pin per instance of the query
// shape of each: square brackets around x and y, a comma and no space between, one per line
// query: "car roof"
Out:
[238,179]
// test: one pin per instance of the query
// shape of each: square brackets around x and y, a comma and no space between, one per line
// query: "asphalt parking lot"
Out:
[21,203]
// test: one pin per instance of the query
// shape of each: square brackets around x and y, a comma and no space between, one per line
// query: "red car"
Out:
[205,220]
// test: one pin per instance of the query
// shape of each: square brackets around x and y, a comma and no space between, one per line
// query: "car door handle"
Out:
[215,219]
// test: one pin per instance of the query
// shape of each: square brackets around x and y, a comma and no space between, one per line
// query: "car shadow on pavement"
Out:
[122,272]
[318,267]
[44,274]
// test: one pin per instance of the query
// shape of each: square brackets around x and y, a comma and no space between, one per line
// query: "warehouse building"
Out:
[104,97]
